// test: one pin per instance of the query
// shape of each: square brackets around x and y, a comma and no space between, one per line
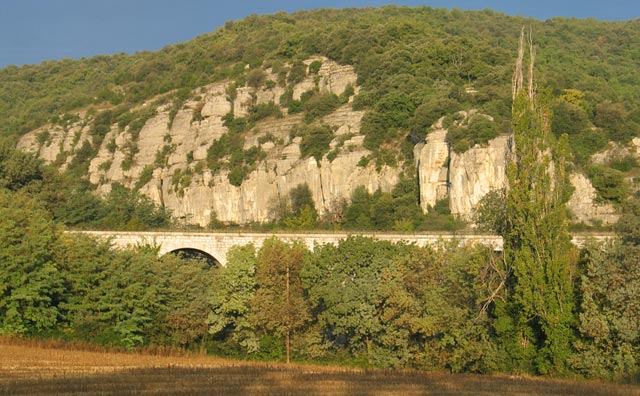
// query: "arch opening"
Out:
[196,254]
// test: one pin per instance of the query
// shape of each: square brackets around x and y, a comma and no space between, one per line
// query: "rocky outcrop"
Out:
[462,178]
[465,178]
[170,155]
[167,159]
[433,170]
[476,172]
[584,206]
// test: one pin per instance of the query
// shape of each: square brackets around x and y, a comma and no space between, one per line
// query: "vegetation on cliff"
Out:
[414,65]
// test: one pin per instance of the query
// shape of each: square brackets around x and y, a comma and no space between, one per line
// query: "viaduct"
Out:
[214,245]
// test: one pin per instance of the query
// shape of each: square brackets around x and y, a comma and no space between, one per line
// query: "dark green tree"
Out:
[181,317]
[232,292]
[17,168]
[434,309]
[609,309]
[30,281]
[342,282]
[302,214]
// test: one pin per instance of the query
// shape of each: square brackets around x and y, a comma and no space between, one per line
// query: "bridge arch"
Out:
[197,254]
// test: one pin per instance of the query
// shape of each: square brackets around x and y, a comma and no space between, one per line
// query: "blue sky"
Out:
[35,30]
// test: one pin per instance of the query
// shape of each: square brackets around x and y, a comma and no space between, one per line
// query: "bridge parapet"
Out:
[217,244]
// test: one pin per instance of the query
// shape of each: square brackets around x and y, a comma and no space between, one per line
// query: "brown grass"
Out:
[36,369]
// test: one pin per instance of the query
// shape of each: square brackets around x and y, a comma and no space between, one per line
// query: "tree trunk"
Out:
[287,342]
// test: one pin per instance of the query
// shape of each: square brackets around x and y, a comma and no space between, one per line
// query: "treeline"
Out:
[364,302]
[73,287]
[71,200]
[397,210]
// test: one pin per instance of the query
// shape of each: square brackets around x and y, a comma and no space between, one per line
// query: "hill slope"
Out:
[197,126]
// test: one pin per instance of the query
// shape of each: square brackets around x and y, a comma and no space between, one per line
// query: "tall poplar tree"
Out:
[536,322]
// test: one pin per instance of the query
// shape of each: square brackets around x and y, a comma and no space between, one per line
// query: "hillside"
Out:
[401,110]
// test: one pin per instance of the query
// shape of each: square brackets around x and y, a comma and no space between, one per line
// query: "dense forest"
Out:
[541,307]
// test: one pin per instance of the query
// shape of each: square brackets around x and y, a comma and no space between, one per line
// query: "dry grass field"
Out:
[34,369]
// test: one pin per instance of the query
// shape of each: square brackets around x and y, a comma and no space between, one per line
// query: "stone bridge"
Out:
[214,245]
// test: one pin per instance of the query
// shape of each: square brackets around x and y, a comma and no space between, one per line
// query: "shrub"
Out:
[162,155]
[43,137]
[264,110]
[144,178]
[269,137]
[585,144]
[315,66]
[233,124]
[237,175]
[315,141]
[624,164]
[609,183]
[297,73]
[256,78]
[568,118]
[346,94]
[320,105]
[479,130]
[295,106]
[105,166]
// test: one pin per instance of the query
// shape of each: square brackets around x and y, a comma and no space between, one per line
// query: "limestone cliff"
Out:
[432,164]
[465,178]
[584,206]
[169,160]
[476,172]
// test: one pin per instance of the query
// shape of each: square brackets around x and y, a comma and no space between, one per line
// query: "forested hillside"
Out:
[413,58]
[413,66]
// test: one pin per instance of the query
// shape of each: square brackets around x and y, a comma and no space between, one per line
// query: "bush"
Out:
[236,175]
[428,113]
[302,213]
[624,164]
[256,78]
[264,110]
[479,130]
[315,66]
[609,183]
[144,178]
[346,94]
[568,118]
[297,73]
[233,124]
[320,105]
[585,144]
[315,141]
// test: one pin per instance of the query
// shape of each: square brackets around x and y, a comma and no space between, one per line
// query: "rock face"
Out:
[433,170]
[464,179]
[476,172]
[167,158]
[584,206]
[169,164]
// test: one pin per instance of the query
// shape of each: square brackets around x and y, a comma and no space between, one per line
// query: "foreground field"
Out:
[39,370]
